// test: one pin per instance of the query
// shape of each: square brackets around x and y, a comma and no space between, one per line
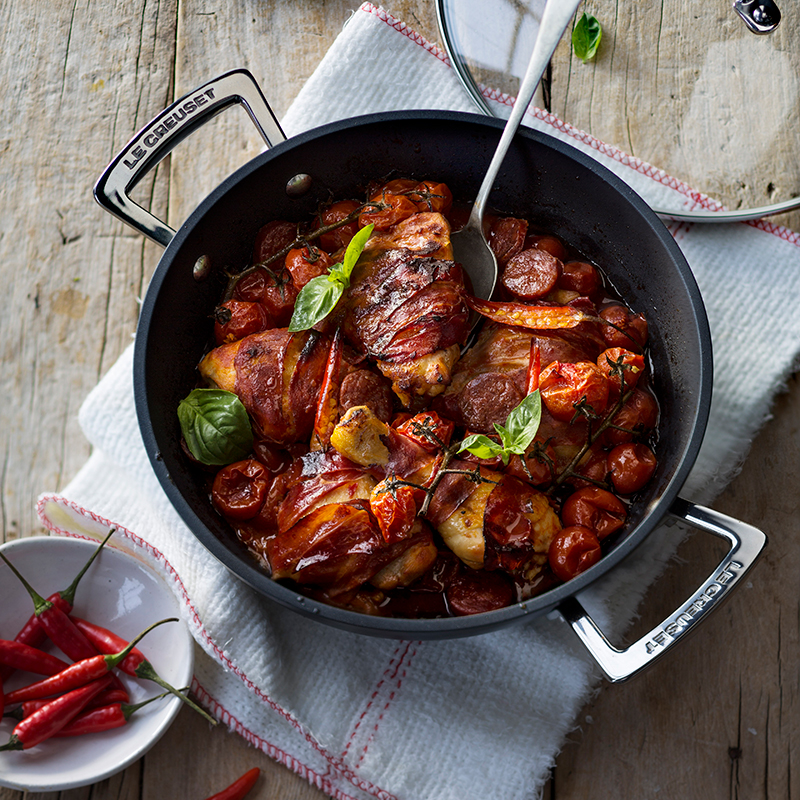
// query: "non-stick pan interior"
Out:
[554,186]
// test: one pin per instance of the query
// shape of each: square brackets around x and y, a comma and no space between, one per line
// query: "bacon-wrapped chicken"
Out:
[277,376]
[405,306]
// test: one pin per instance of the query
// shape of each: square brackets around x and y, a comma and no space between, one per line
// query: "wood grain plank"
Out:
[717,721]
[78,81]
[685,87]
[77,88]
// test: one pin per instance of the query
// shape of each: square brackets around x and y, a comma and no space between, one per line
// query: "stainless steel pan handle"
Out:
[746,544]
[156,139]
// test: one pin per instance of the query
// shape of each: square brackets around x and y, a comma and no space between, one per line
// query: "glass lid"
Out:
[707,92]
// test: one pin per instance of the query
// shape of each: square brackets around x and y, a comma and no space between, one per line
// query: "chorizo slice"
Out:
[364,388]
[531,274]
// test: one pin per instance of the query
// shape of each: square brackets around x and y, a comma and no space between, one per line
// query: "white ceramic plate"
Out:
[124,595]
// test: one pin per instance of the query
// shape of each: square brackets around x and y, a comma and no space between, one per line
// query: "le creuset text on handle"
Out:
[746,544]
[156,140]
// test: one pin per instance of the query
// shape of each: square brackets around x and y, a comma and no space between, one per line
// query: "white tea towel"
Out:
[362,717]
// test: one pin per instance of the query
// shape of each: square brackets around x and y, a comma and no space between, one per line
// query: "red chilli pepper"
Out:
[239,788]
[32,633]
[78,674]
[535,318]
[22,656]
[134,663]
[50,719]
[56,624]
[104,718]
[105,698]
[108,642]
[328,400]
[534,367]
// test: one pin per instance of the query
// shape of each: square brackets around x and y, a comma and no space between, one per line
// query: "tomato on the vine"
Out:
[339,237]
[385,210]
[238,318]
[565,385]
[274,289]
[631,466]
[596,509]
[619,364]
[639,414]
[430,196]
[625,329]
[272,238]
[240,489]
[395,509]
[305,263]
[428,430]
[572,551]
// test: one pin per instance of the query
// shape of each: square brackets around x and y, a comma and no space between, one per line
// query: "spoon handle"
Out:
[556,17]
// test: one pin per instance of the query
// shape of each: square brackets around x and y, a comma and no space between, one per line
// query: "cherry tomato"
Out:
[581,277]
[533,468]
[275,290]
[273,238]
[395,510]
[573,551]
[239,490]
[594,508]
[339,237]
[626,329]
[594,466]
[631,466]
[564,385]
[237,318]
[304,263]
[638,415]
[428,430]
[389,210]
[430,196]
[549,244]
[632,368]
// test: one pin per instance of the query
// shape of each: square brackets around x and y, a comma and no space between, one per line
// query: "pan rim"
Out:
[254,576]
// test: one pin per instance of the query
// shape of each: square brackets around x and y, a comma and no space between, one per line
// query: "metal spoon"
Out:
[470,247]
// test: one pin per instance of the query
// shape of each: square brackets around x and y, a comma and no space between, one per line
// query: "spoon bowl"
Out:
[470,246]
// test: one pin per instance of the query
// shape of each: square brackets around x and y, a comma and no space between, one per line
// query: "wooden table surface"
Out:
[677,83]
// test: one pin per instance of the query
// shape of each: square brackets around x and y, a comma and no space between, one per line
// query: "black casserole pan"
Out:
[542,179]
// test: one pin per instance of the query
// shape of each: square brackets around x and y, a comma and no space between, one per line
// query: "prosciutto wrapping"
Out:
[277,376]
[362,489]
[405,307]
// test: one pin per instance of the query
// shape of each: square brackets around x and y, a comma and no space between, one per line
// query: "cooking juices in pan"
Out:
[368,458]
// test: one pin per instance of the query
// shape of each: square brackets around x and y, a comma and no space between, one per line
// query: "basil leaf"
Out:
[522,424]
[316,300]
[515,436]
[586,37]
[215,426]
[321,294]
[353,252]
[481,446]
